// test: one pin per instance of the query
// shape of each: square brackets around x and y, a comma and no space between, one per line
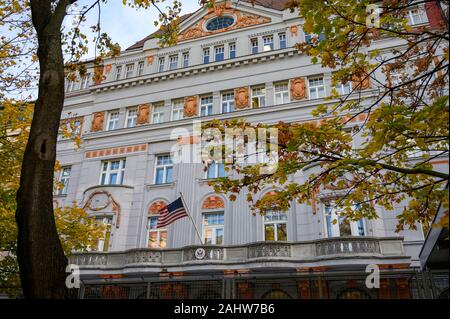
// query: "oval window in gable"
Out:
[219,23]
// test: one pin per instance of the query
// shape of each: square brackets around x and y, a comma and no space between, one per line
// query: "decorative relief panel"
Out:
[298,88]
[116,151]
[101,200]
[137,257]
[242,20]
[241,98]
[143,114]
[190,106]
[361,81]
[213,202]
[269,250]
[108,68]
[210,254]
[97,122]
[150,59]
[294,30]
[155,207]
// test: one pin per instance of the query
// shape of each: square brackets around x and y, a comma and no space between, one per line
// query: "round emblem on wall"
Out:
[200,253]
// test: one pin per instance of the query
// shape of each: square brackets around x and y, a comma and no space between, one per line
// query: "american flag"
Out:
[171,213]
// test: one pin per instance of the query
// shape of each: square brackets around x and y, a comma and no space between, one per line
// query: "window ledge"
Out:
[151,186]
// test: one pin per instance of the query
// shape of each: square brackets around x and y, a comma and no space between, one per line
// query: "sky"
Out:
[123,24]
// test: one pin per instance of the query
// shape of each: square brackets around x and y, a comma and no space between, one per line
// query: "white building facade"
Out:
[234,61]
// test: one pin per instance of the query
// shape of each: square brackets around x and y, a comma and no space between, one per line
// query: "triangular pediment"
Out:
[196,28]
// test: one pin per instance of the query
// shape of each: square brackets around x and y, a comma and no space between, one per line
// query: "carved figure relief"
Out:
[360,81]
[294,30]
[190,106]
[97,122]
[298,88]
[150,59]
[213,202]
[156,206]
[241,98]
[143,114]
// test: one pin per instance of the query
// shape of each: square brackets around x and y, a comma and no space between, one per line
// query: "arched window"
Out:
[157,237]
[219,23]
[213,220]
[276,294]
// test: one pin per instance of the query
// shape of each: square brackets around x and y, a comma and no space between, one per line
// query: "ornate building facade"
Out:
[234,61]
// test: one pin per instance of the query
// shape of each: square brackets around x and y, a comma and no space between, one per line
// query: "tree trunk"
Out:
[42,262]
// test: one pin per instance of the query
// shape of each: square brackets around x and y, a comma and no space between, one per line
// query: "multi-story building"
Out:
[234,61]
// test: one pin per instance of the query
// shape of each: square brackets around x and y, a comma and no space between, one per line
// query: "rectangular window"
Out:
[85,81]
[63,179]
[215,170]
[185,59]
[213,228]
[131,117]
[140,68]
[281,93]
[282,39]
[129,70]
[118,72]
[158,113]
[206,106]
[161,64]
[104,242]
[344,89]
[227,102]
[173,62]
[163,169]
[254,43]
[220,53]
[157,237]
[232,50]
[316,88]
[275,226]
[113,120]
[268,43]
[206,56]
[258,97]
[112,172]
[340,226]
[416,16]
[177,110]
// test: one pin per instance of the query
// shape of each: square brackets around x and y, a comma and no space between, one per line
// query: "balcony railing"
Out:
[296,252]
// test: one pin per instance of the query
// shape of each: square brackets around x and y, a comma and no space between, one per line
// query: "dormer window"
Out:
[219,23]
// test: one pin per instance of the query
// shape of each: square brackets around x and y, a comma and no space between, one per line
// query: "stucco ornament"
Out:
[150,59]
[294,30]
[108,68]
[143,114]
[360,80]
[100,200]
[97,121]
[213,202]
[241,98]
[156,206]
[190,106]
[298,88]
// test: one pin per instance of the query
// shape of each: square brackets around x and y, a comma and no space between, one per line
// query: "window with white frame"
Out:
[258,97]
[282,93]
[177,110]
[132,117]
[113,120]
[161,64]
[340,226]
[316,88]
[219,53]
[118,72]
[213,228]
[282,40]
[275,226]
[206,55]
[173,62]
[140,69]
[129,70]
[416,16]
[254,45]
[227,102]
[112,172]
[63,180]
[232,50]
[344,88]
[158,113]
[157,237]
[185,59]
[206,105]
[103,243]
[215,170]
[268,43]
[164,169]
[85,81]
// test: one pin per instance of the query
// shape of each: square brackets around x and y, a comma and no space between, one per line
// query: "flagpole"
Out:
[190,217]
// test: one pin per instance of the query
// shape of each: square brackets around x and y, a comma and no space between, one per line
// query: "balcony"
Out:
[322,252]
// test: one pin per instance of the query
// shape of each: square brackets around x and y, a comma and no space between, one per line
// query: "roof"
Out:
[272,4]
